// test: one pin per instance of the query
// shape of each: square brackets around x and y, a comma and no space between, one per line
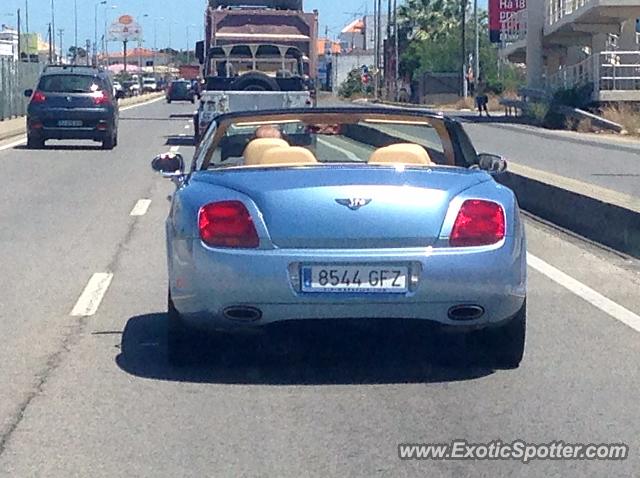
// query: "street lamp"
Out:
[53,31]
[106,36]
[188,50]
[95,33]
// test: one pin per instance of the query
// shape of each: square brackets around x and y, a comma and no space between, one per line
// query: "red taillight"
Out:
[100,98]
[227,224]
[479,223]
[38,97]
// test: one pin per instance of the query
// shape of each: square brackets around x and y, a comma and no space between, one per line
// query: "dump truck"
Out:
[257,54]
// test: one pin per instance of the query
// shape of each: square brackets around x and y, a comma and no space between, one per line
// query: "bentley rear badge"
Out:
[353,203]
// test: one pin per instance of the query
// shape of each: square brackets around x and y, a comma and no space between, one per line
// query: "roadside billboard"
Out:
[125,28]
[502,19]
[28,44]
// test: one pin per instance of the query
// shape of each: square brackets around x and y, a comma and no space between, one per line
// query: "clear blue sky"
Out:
[334,14]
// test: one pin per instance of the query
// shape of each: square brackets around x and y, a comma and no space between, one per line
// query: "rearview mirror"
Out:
[492,163]
[28,93]
[168,164]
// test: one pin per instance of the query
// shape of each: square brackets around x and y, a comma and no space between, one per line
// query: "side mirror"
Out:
[492,163]
[28,93]
[169,164]
[120,94]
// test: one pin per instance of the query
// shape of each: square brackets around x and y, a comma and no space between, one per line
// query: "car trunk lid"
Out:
[350,207]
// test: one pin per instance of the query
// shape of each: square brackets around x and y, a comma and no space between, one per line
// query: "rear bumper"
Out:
[206,282]
[70,133]
[96,124]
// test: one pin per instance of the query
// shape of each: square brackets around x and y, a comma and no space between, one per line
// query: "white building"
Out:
[360,33]
[8,42]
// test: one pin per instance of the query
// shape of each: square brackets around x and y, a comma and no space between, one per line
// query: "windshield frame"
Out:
[347,115]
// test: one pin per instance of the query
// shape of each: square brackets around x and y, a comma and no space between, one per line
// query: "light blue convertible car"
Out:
[343,213]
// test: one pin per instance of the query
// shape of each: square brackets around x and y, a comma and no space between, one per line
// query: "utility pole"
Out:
[75,40]
[375,47]
[464,47]
[19,39]
[396,49]
[477,53]
[53,28]
[60,31]
[125,55]
[26,15]
[387,54]
[379,49]
[50,44]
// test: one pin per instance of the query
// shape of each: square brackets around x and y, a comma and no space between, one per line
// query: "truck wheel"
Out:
[255,81]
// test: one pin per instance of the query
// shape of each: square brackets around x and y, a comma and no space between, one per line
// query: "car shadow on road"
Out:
[64,147]
[493,119]
[159,118]
[306,353]
[179,141]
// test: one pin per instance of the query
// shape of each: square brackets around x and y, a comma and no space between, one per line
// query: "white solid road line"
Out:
[348,154]
[596,299]
[141,207]
[93,294]
[155,100]
[14,144]
[23,139]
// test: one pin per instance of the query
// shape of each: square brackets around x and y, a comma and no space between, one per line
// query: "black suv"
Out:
[181,90]
[73,102]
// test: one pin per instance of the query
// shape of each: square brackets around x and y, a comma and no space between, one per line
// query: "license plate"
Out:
[354,278]
[69,123]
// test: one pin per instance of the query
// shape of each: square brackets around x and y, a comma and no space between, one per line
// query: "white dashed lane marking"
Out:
[141,207]
[92,295]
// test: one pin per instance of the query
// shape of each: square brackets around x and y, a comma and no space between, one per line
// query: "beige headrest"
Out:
[255,149]
[401,153]
[290,156]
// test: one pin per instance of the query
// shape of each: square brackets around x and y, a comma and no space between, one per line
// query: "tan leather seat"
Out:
[255,149]
[289,156]
[401,153]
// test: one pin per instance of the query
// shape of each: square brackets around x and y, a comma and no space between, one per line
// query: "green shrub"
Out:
[353,85]
[575,97]
[538,112]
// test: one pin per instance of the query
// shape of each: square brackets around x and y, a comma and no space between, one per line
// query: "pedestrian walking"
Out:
[482,100]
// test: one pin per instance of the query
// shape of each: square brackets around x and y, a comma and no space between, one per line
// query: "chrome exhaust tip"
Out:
[242,313]
[466,312]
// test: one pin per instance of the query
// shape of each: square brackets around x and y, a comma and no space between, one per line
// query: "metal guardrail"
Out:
[558,9]
[619,70]
[607,71]
[15,77]
[574,75]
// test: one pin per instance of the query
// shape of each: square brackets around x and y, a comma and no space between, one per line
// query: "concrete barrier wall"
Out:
[610,224]
[601,215]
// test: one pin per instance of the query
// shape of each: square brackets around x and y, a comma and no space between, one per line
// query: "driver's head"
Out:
[268,131]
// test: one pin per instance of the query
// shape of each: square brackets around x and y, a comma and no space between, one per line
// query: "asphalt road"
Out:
[605,161]
[95,397]
[609,163]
